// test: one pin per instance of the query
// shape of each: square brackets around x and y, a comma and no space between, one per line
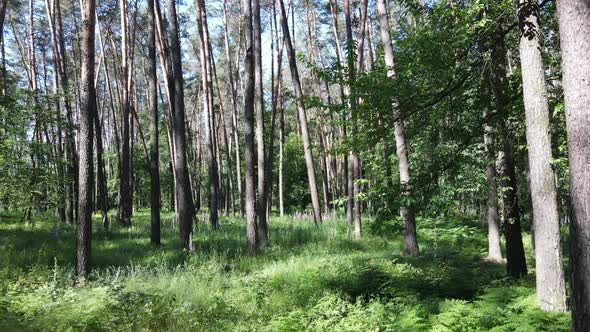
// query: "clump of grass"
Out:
[308,278]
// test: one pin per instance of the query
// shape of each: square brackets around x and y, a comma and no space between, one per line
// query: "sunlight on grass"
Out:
[308,278]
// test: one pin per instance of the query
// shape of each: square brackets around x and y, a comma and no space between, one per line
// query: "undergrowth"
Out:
[308,278]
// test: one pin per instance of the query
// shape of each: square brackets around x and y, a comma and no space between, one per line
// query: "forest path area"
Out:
[308,278]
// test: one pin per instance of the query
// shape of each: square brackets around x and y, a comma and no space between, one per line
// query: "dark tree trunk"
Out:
[185,209]
[103,201]
[124,198]
[152,81]
[3,5]
[574,32]
[259,109]
[71,159]
[86,166]
[515,257]
[349,168]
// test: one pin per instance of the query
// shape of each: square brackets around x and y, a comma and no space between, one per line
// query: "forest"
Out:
[295,165]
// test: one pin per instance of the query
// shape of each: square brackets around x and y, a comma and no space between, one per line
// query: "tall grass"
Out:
[308,278]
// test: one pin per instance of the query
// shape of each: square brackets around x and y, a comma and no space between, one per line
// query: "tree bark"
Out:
[281,158]
[124,198]
[348,164]
[86,166]
[229,195]
[515,257]
[212,152]
[184,199]
[548,262]
[406,210]
[492,218]
[259,109]
[152,81]
[251,226]
[234,109]
[315,201]
[70,149]
[574,32]
[103,200]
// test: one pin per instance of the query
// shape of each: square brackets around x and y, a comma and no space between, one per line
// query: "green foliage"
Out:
[296,189]
[315,279]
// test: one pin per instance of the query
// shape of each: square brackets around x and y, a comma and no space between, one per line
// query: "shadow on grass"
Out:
[423,277]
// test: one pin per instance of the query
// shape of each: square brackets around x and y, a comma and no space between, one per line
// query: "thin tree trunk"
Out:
[234,109]
[315,201]
[71,158]
[56,62]
[152,82]
[281,159]
[103,203]
[548,262]
[406,210]
[574,32]
[124,198]
[277,84]
[349,169]
[259,109]
[208,110]
[230,199]
[251,226]
[86,167]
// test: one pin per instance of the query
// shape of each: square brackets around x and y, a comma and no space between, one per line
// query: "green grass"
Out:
[308,278]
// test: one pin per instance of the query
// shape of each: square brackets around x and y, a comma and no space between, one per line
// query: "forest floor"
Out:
[308,278]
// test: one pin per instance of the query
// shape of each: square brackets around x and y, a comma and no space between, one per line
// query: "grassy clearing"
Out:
[308,279]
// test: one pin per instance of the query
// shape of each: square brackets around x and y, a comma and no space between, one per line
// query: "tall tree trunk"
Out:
[259,109]
[103,201]
[3,5]
[406,210]
[229,195]
[152,81]
[348,163]
[70,149]
[340,59]
[124,198]
[209,112]
[315,200]
[276,86]
[281,159]
[51,14]
[574,32]
[184,199]
[515,257]
[251,226]
[86,167]
[234,109]
[494,248]
[548,262]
